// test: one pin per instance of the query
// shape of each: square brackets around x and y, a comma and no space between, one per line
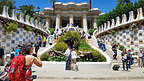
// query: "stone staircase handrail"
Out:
[22,20]
[115,24]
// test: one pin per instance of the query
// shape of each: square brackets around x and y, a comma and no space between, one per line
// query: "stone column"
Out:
[85,23]
[94,23]
[5,11]
[71,20]
[57,21]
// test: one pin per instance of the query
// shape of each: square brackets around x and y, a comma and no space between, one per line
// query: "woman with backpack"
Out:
[20,69]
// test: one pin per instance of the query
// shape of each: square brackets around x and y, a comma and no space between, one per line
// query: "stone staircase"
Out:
[109,51]
[43,50]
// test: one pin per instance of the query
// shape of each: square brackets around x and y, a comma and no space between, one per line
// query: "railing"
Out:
[28,21]
[124,21]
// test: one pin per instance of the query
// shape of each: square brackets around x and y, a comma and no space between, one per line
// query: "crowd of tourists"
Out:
[19,66]
[27,54]
[127,56]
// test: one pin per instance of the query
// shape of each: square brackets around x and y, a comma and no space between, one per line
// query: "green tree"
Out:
[8,3]
[28,10]
[123,7]
[122,2]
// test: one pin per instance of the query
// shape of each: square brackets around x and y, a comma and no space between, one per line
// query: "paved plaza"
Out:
[81,80]
[58,72]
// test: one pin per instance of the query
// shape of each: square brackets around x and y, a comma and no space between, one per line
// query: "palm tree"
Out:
[53,1]
[28,10]
[9,3]
[90,13]
[90,4]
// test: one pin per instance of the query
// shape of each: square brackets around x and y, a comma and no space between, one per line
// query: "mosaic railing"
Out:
[120,22]
[27,21]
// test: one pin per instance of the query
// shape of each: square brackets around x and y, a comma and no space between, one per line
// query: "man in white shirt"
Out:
[74,61]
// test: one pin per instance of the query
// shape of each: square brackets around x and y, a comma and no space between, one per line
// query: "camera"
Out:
[35,55]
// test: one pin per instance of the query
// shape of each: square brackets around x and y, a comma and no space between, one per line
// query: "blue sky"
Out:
[103,5]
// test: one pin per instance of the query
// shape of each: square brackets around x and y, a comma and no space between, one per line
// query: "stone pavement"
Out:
[82,80]
[57,72]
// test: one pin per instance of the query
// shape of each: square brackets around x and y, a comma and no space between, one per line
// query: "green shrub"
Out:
[91,31]
[61,39]
[98,57]
[51,31]
[60,46]
[112,31]
[44,57]
[10,26]
[28,28]
[71,38]
[121,47]
[84,46]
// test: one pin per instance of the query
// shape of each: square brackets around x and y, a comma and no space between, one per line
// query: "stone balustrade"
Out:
[120,22]
[28,21]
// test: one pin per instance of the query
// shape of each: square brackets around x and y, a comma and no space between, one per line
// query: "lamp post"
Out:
[90,13]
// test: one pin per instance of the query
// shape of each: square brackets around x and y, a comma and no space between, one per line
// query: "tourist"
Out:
[125,59]
[27,59]
[40,41]
[37,46]
[17,50]
[143,58]
[50,39]
[12,53]
[74,66]
[103,47]
[1,55]
[130,59]
[62,33]
[140,58]
[44,41]
[99,44]
[68,59]
[114,48]
[83,35]
[55,35]
[79,31]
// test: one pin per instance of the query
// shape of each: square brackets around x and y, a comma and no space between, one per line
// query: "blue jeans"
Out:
[103,47]
[130,63]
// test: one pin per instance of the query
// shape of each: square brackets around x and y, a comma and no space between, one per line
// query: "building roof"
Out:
[72,7]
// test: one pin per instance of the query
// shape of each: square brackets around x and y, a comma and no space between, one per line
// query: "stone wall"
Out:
[10,40]
[128,37]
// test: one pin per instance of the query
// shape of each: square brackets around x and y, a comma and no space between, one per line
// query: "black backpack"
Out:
[116,67]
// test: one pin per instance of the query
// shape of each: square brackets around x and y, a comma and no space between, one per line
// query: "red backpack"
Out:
[16,71]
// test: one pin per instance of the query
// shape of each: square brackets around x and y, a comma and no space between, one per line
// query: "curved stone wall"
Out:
[120,22]
[26,21]
[10,40]
[128,37]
